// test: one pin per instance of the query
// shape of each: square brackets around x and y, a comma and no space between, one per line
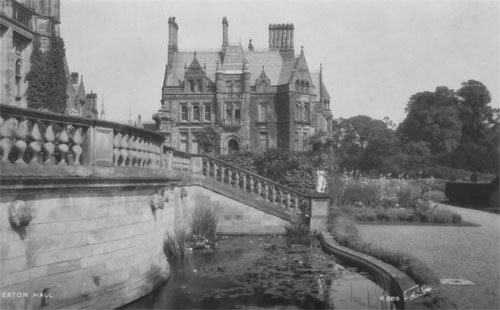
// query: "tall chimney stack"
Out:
[224,32]
[173,29]
[281,37]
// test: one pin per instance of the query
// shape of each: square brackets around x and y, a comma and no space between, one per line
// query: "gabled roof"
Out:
[182,59]
[317,85]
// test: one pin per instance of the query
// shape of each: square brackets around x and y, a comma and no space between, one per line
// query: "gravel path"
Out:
[471,253]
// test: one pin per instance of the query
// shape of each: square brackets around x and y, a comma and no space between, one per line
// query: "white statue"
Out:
[321,183]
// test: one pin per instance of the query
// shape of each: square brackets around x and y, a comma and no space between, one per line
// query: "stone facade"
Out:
[257,99]
[21,23]
[92,249]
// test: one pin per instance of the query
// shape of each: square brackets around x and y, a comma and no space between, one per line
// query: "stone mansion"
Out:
[256,99]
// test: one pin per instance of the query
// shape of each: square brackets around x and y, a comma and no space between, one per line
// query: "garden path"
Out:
[471,253]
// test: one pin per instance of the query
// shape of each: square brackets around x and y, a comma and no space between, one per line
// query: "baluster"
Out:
[274,194]
[237,179]
[123,150]
[259,187]
[250,184]
[132,151]
[296,203]
[21,135]
[62,146]
[77,147]
[215,171]
[280,197]
[141,153]
[48,146]
[222,173]
[150,155]
[230,176]
[266,191]
[116,148]
[206,170]
[35,145]
[288,198]
[244,182]
[7,133]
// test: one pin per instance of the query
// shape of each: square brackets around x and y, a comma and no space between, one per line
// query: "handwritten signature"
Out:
[416,291]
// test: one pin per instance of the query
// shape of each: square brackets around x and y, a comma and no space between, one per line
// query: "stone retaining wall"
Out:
[95,248]
[234,216]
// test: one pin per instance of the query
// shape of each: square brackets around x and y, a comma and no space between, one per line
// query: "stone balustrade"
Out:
[287,199]
[181,162]
[44,138]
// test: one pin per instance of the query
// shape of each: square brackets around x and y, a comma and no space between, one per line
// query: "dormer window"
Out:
[191,86]
[262,87]
[200,86]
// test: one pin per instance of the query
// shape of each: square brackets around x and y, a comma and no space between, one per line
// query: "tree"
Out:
[475,113]
[36,78]
[208,139]
[56,76]
[433,117]
[47,81]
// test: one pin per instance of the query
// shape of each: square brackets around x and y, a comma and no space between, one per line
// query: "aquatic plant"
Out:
[204,223]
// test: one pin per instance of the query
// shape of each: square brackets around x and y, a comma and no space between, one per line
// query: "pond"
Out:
[256,272]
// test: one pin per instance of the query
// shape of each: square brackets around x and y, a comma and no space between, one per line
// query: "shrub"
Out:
[204,223]
[364,192]
[441,216]
[382,215]
[405,215]
[298,234]
[366,215]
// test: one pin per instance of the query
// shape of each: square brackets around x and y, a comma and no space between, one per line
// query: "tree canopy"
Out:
[47,81]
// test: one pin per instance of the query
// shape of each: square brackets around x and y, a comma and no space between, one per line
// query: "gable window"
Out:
[208,112]
[196,113]
[262,86]
[200,86]
[184,113]
[297,85]
[262,112]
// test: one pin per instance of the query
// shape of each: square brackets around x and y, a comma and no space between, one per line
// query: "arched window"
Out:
[262,112]
[208,112]
[297,111]
[302,86]
[306,113]
[307,87]
[297,85]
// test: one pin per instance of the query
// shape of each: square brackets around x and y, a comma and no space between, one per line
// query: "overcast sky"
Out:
[375,54]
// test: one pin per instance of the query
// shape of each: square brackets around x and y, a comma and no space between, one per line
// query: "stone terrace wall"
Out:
[234,217]
[92,248]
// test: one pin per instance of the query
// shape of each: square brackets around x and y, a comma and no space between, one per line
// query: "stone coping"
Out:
[391,279]
[8,169]
[76,120]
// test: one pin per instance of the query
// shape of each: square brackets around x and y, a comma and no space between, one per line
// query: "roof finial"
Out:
[194,54]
